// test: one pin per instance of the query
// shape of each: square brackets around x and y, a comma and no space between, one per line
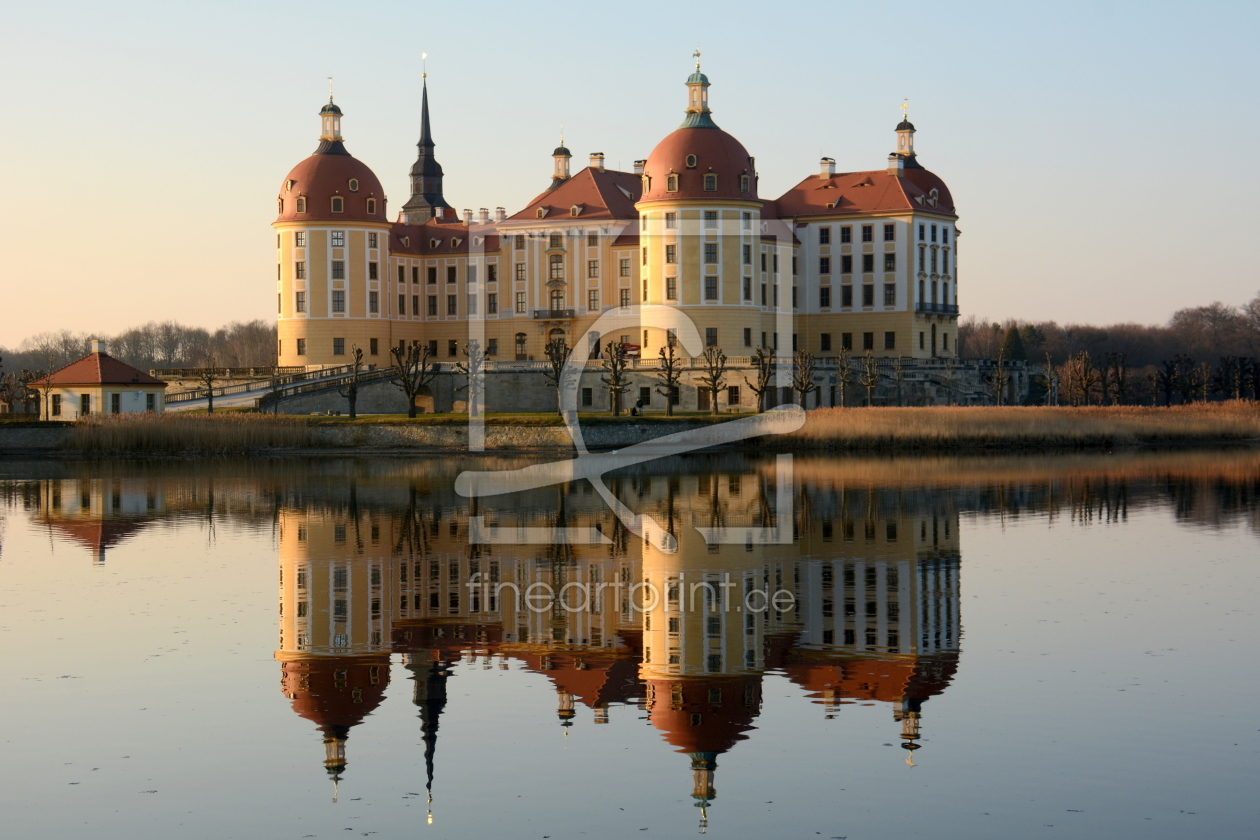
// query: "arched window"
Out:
[280,209]
[744,183]
[710,183]
[338,204]
[671,183]
[691,161]
[371,206]
[354,185]
[301,205]
[520,347]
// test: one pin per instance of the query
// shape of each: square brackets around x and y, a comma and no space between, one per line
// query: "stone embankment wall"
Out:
[18,438]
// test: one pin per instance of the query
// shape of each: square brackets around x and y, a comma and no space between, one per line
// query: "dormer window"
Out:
[575,210]
[406,241]
[744,183]
[280,208]
[647,184]
[354,185]
[710,182]
[288,187]
[338,204]
[301,205]
[371,206]
[671,183]
[433,243]
[691,161]
[542,211]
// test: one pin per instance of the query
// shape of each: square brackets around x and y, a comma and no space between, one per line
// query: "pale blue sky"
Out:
[1099,153]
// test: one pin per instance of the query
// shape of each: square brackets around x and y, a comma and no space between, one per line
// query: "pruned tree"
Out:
[844,374]
[899,379]
[998,377]
[868,376]
[803,375]
[617,382]
[1119,378]
[670,373]
[206,377]
[557,351]
[763,363]
[474,371]
[714,375]
[351,393]
[1049,375]
[413,371]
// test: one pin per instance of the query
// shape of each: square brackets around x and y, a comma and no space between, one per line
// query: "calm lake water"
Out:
[817,647]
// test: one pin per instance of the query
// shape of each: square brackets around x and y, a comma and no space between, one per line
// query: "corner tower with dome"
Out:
[845,261]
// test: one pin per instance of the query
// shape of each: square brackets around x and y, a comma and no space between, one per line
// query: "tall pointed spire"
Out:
[426,173]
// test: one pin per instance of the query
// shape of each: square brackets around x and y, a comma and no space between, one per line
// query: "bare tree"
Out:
[803,375]
[899,379]
[615,361]
[413,371]
[1049,375]
[474,370]
[670,375]
[558,352]
[351,394]
[868,376]
[763,364]
[206,377]
[714,376]
[998,377]
[844,374]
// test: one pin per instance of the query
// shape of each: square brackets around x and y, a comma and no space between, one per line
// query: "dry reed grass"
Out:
[953,428]
[188,434]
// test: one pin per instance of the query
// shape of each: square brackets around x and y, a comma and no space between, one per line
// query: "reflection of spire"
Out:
[909,715]
[703,764]
[430,698]
[335,752]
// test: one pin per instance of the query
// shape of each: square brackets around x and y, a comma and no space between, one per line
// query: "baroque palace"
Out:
[861,261]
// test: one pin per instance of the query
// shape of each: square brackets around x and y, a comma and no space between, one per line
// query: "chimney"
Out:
[500,214]
[484,213]
[638,166]
[467,216]
[827,167]
[896,165]
[98,346]
[597,161]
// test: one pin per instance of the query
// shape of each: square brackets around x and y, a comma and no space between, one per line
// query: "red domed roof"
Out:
[328,173]
[336,691]
[716,153]
[709,714]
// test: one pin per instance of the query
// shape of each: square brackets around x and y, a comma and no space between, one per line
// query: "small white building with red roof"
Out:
[98,384]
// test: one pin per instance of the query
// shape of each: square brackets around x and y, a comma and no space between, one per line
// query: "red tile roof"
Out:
[867,192]
[98,369]
[601,194]
[441,236]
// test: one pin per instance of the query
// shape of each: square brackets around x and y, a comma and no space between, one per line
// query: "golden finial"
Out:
[696,55]
[330,89]
[561,134]
[424,70]
[905,107]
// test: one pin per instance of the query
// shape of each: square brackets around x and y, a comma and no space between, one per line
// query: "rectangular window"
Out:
[868,233]
[846,264]
[338,301]
[846,295]
[299,270]
[671,288]
[645,397]
[431,274]
[492,274]
[945,261]
[374,304]
[452,305]
[710,336]
[623,268]
[588,397]
[890,294]
[710,288]
[710,252]
[492,346]
[374,346]
[890,233]
[933,233]
[115,403]
[520,271]
[890,262]
[415,305]
[763,262]
[373,271]
[339,239]
[922,228]
[933,260]
[150,402]
[451,274]
[415,274]
[592,239]
[339,347]
[732,395]
[745,220]
[625,298]
[472,274]
[432,346]
[338,270]
[300,302]
[472,304]
[868,295]
[794,301]
[890,341]
[85,405]
[748,336]
[433,304]
[868,263]
[868,341]
[794,343]
[945,235]
[592,268]
[55,408]
[519,241]
[492,303]
[747,288]
[763,294]
[671,221]
[402,274]
[520,303]
[299,239]
[824,296]
[824,265]
[645,256]
[592,299]
[710,219]
[555,267]
[301,347]
[824,342]
[824,236]
[747,255]
[371,240]
[846,341]
[846,234]
[671,253]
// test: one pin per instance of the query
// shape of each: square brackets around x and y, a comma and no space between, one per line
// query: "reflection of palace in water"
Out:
[866,611]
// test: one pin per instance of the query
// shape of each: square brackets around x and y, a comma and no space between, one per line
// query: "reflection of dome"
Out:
[335,694]
[705,715]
